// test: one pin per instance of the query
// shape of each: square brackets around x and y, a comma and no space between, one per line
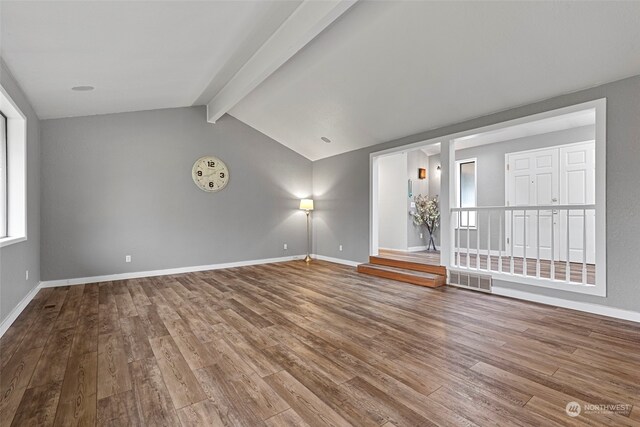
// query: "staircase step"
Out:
[409,265]
[409,276]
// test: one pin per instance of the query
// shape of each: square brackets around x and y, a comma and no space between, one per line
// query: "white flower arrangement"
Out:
[427,213]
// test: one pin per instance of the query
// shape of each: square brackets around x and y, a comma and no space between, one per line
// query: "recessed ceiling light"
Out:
[82,88]
[325,139]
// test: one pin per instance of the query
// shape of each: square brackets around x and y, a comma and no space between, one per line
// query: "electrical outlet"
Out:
[285,247]
[127,258]
[26,275]
[340,248]
[421,235]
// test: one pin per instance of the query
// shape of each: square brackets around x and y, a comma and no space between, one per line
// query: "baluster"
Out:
[538,243]
[500,241]
[584,246]
[468,261]
[477,240]
[458,234]
[552,271]
[524,242]
[488,240]
[567,262]
[511,245]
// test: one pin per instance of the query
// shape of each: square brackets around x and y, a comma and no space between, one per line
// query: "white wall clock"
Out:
[210,174]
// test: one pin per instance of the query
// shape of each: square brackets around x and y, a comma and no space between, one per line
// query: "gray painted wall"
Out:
[17,258]
[491,174]
[341,186]
[416,159]
[392,201]
[120,184]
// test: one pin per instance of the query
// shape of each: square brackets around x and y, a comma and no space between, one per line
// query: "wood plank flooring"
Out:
[421,257]
[308,345]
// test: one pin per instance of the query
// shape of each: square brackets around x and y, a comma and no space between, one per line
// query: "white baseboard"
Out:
[419,248]
[8,321]
[603,310]
[165,272]
[337,260]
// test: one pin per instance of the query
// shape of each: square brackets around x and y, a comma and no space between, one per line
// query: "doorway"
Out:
[560,176]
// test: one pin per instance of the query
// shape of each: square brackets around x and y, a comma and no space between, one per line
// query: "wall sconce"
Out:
[422,173]
[438,168]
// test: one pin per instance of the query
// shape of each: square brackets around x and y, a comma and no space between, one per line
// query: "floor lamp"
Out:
[307,206]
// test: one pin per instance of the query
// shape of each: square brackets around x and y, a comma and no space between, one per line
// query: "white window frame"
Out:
[16,171]
[458,201]
[4,221]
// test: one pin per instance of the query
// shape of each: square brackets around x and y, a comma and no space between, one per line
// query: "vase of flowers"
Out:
[427,213]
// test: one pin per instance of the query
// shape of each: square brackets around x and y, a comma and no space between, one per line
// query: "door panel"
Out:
[532,180]
[577,187]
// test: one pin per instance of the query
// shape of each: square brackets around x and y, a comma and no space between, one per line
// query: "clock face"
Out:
[210,174]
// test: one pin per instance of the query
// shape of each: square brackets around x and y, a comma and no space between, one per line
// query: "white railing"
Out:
[553,242]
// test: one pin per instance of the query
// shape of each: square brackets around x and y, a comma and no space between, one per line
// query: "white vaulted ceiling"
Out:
[382,70]
[391,69]
[139,55]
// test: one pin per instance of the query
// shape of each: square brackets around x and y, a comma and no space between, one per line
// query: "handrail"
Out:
[525,208]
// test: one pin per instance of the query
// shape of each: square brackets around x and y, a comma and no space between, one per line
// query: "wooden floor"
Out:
[422,257]
[291,344]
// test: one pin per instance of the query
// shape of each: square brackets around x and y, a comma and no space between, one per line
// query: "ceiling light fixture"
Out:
[82,88]
[325,139]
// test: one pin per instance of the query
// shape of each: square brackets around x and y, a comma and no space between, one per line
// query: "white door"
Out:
[532,180]
[577,187]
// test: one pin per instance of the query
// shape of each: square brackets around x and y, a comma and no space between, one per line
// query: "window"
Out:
[13,172]
[4,220]
[466,191]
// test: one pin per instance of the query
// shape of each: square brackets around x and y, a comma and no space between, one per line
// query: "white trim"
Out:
[559,285]
[6,241]
[473,160]
[165,272]
[336,260]
[8,321]
[16,170]
[603,310]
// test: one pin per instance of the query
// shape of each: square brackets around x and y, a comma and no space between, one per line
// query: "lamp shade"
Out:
[306,204]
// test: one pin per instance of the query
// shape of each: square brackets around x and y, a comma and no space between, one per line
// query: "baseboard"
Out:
[336,260]
[165,272]
[603,310]
[8,321]
[419,248]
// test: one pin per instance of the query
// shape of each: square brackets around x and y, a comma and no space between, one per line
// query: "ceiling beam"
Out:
[305,23]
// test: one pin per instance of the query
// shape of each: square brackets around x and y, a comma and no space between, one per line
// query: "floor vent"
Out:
[469,280]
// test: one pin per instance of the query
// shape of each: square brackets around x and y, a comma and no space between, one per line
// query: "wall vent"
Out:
[470,280]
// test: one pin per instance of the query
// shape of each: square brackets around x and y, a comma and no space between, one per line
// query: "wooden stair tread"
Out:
[410,276]
[408,265]
[402,270]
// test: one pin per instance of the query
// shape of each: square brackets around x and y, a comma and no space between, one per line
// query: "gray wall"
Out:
[491,174]
[392,202]
[341,186]
[120,184]
[416,159]
[17,258]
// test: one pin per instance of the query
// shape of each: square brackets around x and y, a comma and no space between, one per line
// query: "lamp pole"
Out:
[307,259]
